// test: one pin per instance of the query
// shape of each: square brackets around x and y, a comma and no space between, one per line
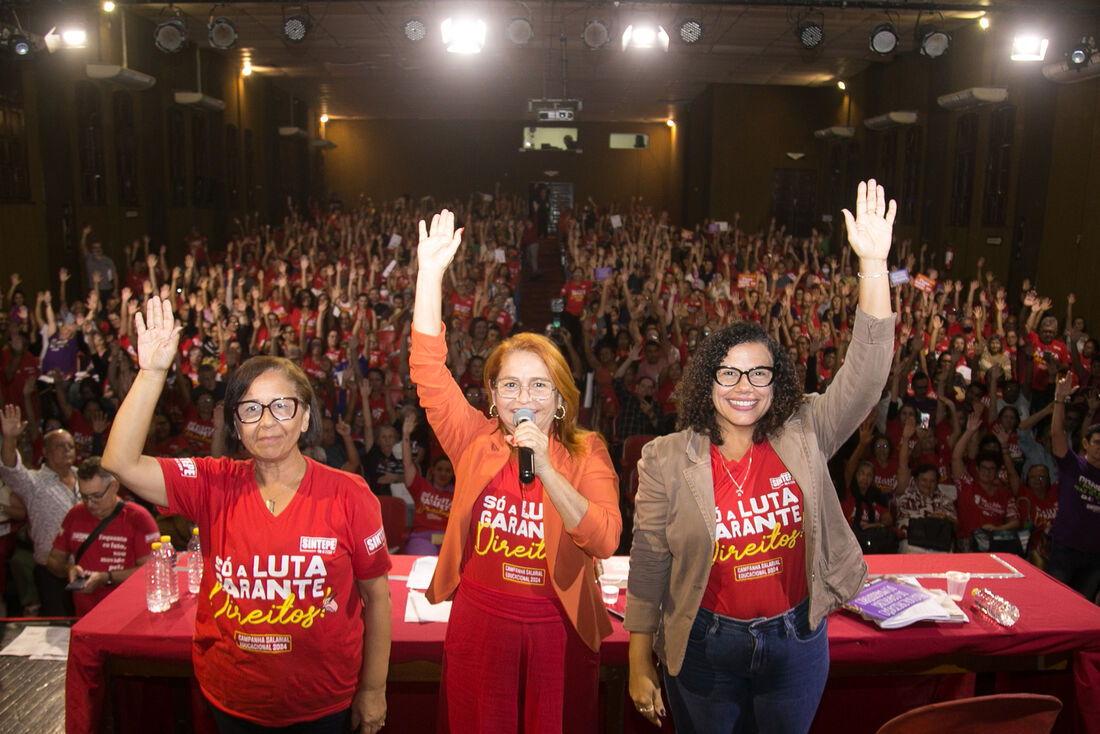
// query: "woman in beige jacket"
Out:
[740,546]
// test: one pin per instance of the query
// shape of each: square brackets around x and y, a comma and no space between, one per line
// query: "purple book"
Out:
[882,599]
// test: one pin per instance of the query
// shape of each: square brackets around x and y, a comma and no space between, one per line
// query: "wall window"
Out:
[201,190]
[249,171]
[998,169]
[913,150]
[232,165]
[14,167]
[89,121]
[126,148]
[962,175]
[177,157]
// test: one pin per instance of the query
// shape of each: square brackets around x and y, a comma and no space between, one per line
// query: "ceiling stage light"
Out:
[519,31]
[810,34]
[1079,57]
[463,35]
[1029,47]
[296,27]
[645,36]
[691,31]
[884,39]
[222,34]
[595,34]
[20,45]
[933,41]
[415,29]
[170,35]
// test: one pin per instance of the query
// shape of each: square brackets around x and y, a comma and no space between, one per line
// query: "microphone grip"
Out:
[526,465]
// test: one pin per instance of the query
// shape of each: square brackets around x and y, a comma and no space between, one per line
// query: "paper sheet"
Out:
[418,609]
[40,643]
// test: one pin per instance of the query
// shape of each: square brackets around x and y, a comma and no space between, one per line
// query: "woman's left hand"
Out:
[530,436]
[368,711]
[871,229]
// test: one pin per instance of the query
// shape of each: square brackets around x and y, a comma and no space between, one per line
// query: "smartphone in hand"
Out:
[76,584]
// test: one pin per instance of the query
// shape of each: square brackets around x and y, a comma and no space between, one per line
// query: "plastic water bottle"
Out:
[169,553]
[997,608]
[194,562]
[158,598]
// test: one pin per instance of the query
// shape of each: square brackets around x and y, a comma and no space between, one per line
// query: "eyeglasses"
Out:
[882,446]
[761,376]
[89,497]
[538,390]
[251,411]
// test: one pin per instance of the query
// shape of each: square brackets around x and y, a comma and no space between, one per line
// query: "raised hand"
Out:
[438,243]
[871,229]
[11,420]
[158,336]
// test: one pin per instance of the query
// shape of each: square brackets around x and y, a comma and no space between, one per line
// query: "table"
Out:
[1058,630]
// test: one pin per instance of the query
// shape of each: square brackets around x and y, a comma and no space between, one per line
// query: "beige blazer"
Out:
[674,527]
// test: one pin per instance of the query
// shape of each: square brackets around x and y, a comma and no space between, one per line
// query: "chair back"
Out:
[632,451]
[1005,713]
[394,522]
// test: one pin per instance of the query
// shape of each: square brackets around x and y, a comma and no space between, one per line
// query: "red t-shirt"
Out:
[119,546]
[1039,512]
[433,505]
[976,508]
[759,562]
[199,434]
[576,294]
[462,308]
[505,550]
[278,626]
[12,391]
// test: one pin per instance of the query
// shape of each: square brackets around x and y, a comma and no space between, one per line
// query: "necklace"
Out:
[738,485]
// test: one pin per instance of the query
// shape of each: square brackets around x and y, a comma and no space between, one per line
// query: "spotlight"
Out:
[324,119]
[463,35]
[810,34]
[415,29]
[983,22]
[519,31]
[1029,47]
[74,37]
[691,31]
[645,36]
[841,85]
[222,34]
[1079,57]
[670,122]
[246,68]
[595,34]
[296,27]
[20,45]
[108,6]
[933,42]
[170,35]
[884,39]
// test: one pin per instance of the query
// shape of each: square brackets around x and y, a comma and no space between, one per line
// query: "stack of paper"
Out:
[418,608]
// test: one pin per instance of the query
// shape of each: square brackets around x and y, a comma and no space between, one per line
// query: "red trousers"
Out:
[515,664]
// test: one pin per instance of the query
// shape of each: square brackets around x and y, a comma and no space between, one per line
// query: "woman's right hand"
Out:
[438,244]
[645,691]
[158,336]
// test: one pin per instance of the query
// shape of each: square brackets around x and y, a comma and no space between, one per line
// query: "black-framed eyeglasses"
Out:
[761,376]
[90,497]
[251,411]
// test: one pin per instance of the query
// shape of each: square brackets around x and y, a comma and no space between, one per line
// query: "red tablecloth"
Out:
[1053,620]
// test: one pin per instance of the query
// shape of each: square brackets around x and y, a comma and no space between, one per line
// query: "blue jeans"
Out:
[743,676]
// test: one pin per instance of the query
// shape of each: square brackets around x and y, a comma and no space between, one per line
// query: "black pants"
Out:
[54,600]
[337,723]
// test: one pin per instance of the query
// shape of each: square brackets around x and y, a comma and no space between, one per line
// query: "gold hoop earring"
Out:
[493,410]
[562,409]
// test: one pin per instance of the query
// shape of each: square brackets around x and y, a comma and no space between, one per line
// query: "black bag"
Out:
[1001,541]
[932,533]
[877,539]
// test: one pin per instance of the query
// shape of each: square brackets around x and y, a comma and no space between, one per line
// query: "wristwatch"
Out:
[110,579]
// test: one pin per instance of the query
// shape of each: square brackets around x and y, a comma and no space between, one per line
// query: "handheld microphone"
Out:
[526,455]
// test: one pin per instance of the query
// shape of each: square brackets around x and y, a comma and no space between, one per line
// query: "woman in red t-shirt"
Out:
[292,624]
[432,495]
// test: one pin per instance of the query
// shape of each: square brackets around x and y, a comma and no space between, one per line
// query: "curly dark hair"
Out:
[696,387]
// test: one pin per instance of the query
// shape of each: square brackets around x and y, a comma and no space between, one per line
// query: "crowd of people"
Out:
[974,429]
